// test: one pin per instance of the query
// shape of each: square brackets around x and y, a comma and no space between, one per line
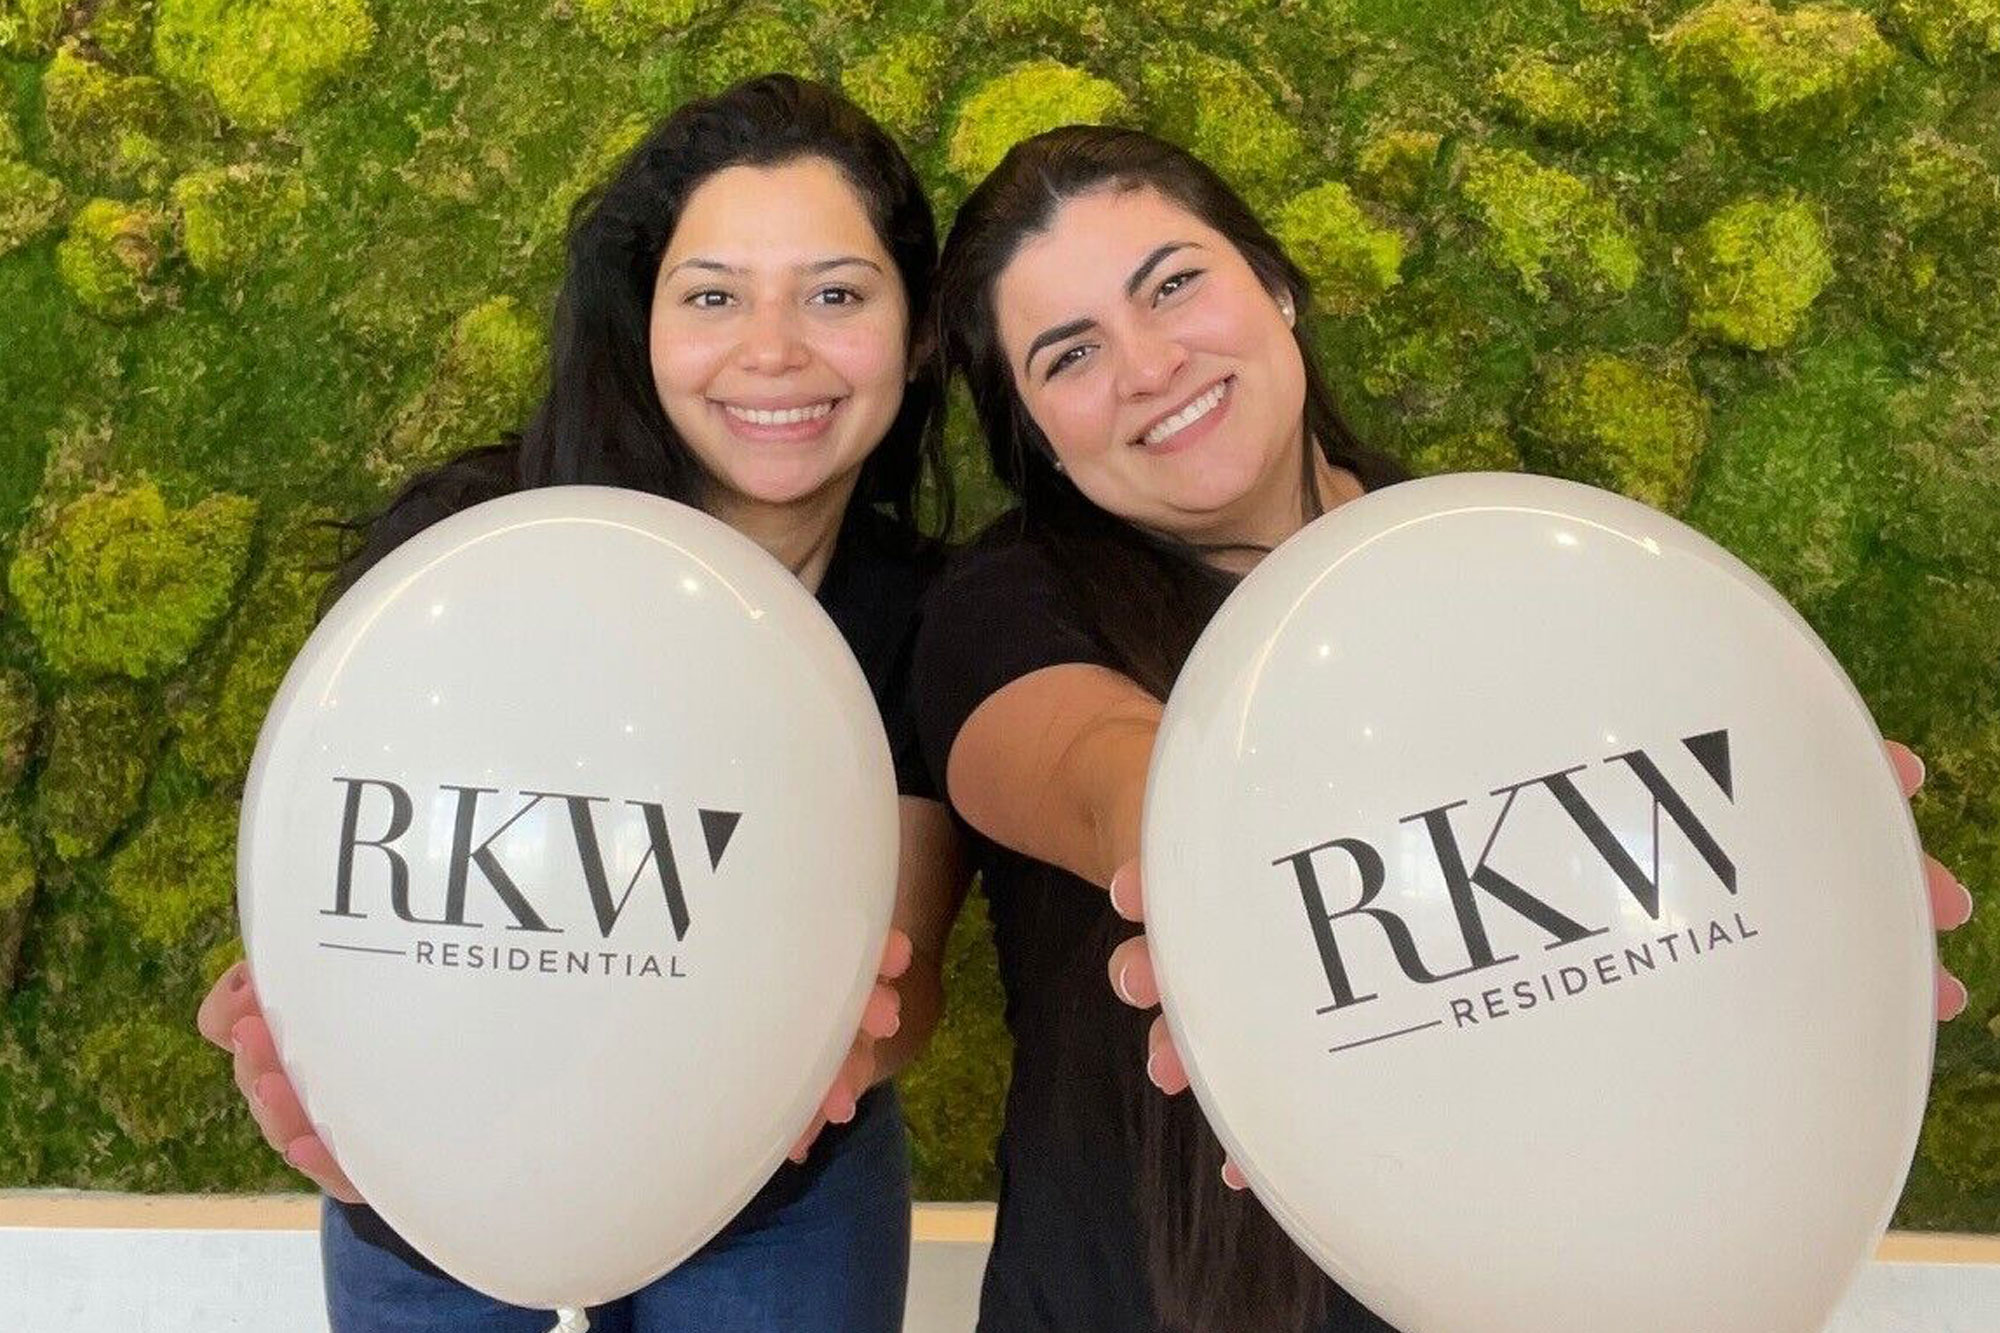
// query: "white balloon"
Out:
[1540,920]
[637,797]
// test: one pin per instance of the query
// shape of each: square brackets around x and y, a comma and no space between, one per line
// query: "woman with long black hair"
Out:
[742,329]
[1134,340]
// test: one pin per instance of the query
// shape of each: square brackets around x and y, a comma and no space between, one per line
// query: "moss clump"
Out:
[1542,222]
[1565,102]
[118,583]
[484,383]
[1615,422]
[1934,182]
[219,722]
[1395,166]
[900,85]
[1944,30]
[17,900]
[1024,101]
[1083,23]
[112,256]
[109,128]
[1943,467]
[20,710]
[30,203]
[755,41]
[1784,482]
[1415,347]
[1481,449]
[1350,258]
[230,214]
[101,744]
[121,29]
[1784,79]
[1753,269]
[1215,108]
[593,168]
[149,1075]
[28,28]
[261,60]
[624,24]
[176,880]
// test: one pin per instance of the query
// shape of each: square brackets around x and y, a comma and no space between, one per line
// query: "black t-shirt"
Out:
[1068,1247]
[873,592]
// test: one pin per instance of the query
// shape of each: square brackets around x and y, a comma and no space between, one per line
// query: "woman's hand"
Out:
[231,1018]
[1131,965]
[1132,980]
[880,1019]
[1951,905]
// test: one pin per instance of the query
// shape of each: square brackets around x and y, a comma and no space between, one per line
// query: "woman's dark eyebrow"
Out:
[816,267]
[1152,261]
[1054,335]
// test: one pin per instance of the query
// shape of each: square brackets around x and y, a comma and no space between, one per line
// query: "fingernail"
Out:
[1118,984]
[1152,1075]
[1923,769]
[895,1025]
[1965,903]
[1954,997]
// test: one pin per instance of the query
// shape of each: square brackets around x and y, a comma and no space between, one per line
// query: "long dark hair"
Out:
[601,421]
[1217,1260]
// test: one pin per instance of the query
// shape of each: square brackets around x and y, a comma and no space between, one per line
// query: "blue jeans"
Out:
[832,1256]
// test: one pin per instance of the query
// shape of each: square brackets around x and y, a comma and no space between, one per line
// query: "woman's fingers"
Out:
[1951,996]
[1909,768]
[254,1055]
[1128,895]
[310,1158]
[1232,1175]
[1163,1062]
[1951,904]
[896,955]
[882,1016]
[856,1076]
[275,1106]
[230,999]
[1131,973]
[805,1141]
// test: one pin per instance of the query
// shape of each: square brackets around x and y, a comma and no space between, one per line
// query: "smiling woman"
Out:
[1133,339]
[734,332]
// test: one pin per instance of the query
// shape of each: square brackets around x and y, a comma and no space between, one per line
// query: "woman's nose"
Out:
[771,344]
[1149,363]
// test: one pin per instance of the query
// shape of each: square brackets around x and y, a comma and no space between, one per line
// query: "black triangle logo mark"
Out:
[718,827]
[1712,749]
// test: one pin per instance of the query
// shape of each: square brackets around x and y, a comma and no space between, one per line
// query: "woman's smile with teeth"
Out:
[786,416]
[1168,427]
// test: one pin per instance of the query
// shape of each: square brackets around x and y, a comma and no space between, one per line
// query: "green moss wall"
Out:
[260,259]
